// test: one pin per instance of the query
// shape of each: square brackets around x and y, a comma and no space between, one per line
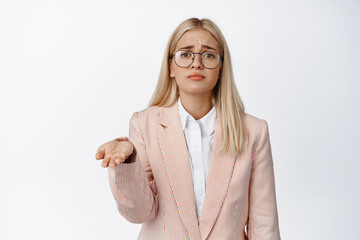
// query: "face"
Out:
[201,40]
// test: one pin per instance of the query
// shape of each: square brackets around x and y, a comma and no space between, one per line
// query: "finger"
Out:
[106,161]
[119,158]
[99,155]
[100,152]
[123,156]
[112,163]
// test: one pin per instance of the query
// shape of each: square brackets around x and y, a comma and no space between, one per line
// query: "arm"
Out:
[263,218]
[132,182]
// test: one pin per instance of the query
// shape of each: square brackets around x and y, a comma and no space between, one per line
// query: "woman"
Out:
[195,165]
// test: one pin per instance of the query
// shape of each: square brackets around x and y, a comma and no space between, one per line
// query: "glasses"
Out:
[209,59]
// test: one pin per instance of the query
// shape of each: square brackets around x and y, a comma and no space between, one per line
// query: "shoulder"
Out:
[147,115]
[257,129]
[253,123]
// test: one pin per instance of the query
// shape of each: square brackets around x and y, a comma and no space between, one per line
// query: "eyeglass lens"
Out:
[185,59]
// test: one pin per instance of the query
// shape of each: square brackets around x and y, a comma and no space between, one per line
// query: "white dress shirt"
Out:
[199,136]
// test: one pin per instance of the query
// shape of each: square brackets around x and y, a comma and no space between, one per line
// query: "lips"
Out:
[196,76]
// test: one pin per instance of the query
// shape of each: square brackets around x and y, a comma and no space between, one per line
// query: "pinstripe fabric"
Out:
[156,187]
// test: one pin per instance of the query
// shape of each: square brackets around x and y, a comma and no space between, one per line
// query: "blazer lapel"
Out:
[220,172]
[177,166]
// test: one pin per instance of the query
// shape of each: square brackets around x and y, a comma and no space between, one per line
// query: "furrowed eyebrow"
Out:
[202,46]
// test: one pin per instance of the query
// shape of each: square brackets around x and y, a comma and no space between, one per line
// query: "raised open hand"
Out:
[114,152]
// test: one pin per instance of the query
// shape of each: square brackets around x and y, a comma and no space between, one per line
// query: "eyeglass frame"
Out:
[193,57]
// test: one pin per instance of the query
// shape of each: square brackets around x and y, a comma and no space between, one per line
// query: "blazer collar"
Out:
[177,166]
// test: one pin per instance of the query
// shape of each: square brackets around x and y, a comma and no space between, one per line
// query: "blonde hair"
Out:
[226,99]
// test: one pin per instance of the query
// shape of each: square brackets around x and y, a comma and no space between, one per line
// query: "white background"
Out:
[72,73]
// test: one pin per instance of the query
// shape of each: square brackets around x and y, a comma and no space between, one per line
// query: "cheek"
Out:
[180,74]
[215,76]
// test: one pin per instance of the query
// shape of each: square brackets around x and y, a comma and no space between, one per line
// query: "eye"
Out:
[185,54]
[209,55]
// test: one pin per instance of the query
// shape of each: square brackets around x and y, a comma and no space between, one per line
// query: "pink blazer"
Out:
[157,188]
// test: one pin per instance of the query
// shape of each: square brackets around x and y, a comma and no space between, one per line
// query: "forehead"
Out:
[197,38]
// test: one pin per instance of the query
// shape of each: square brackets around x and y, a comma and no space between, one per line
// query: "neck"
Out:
[196,105]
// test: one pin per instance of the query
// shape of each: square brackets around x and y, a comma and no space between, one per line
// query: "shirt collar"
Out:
[207,122]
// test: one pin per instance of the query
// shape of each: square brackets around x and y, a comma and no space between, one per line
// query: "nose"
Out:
[197,61]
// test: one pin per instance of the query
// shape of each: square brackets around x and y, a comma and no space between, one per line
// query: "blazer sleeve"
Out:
[132,184]
[263,217]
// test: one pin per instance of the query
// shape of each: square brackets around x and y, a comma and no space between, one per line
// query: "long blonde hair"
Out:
[226,99]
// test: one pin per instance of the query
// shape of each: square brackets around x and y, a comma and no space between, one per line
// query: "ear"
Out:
[172,73]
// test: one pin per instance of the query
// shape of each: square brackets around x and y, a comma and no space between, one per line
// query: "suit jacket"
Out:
[156,188]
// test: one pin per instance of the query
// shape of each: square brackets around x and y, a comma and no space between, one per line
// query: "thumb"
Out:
[100,153]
